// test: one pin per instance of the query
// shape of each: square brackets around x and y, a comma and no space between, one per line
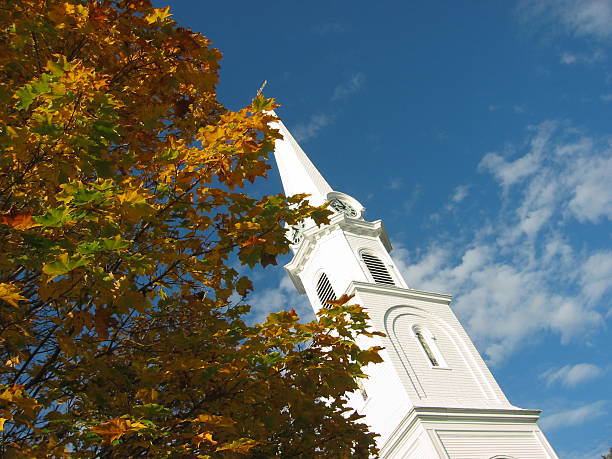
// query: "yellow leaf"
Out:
[2,421]
[115,428]
[204,436]
[215,420]
[10,394]
[158,14]
[13,362]
[131,197]
[11,294]
[241,446]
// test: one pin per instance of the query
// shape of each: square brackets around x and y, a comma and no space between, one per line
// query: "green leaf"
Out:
[103,244]
[151,410]
[168,155]
[260,103]
[64,264]
[56,217]
[271,359]
[25,96]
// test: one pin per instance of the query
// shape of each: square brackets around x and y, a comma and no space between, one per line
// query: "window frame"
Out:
[388,268]
[329,288]
[429,341]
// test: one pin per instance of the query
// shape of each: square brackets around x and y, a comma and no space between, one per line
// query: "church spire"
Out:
[298,173]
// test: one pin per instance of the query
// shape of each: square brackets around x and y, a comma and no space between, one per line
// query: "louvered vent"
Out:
[377,269]
[325,292]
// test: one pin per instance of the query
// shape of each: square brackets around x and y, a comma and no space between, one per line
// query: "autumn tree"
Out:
[123,208]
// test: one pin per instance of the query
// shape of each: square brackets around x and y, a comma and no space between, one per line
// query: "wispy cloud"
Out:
[273,299]
[583,18]
[311,129]
[412,199]
[316,123]
[352,85]
[572,375]
[516,274]
[395,183]
[575,416]
[460,193]
[569,58]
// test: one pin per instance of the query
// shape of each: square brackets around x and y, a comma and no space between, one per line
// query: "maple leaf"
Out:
[13,362]
[204,437]
[114,134]
[20,222]
[11,294]
[342,300]
[63,264]
[240,446]
[116,428]
[252,241]
[158,14]
[215,420]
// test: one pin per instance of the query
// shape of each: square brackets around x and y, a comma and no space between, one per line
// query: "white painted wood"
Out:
[421,411]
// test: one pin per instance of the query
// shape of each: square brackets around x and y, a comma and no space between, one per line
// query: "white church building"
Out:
[433,396]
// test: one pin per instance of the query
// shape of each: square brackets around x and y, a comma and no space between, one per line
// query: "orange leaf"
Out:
[20,221]
[252,241]
[342,300]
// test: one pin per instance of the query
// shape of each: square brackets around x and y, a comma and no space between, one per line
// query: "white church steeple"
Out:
[433,396]
[297,172]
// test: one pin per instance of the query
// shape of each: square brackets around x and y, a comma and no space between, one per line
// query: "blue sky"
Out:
[480,133]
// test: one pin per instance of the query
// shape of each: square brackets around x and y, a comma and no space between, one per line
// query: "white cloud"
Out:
[510,172]
[395,183]
[282,297]
[596,273]
[460,193]
[568,58]
[354,83]
[310,130]
[574,416]
[606,97]
[583,18]
[572,375]
[516,276]
[591,196]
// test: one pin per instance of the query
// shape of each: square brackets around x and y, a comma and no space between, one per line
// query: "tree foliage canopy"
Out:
[122,206]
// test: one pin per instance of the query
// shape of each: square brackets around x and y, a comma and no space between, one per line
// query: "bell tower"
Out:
[433,396]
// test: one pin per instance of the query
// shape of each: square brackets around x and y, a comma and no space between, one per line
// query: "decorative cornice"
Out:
[314,233]
[368,287]
[455,415]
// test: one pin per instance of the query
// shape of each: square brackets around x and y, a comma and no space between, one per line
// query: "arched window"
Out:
[429,347]
[325,292]
[377,269]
